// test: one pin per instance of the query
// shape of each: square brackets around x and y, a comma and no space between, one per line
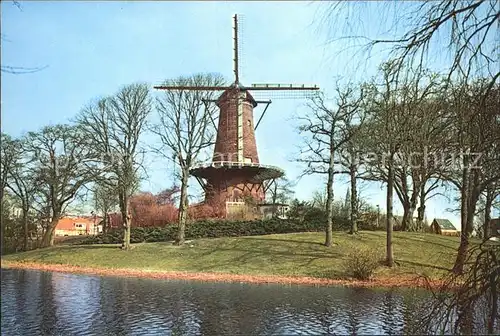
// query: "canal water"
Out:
[45,303]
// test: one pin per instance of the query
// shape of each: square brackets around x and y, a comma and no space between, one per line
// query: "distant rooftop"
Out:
[445,224]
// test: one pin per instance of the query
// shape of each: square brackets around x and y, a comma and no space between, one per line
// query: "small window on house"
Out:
[248,160]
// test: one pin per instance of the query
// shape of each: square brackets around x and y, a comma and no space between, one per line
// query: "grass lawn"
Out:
[297,254]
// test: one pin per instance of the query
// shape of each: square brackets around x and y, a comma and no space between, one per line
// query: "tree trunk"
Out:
[25,227]
[105,222]
[421,208]
[48,236]
[493,316]
[407,222]
[329,202]
[329,190]
[274,199]
[126,233]
[474,195]
[389,222]
[354,200]
[124,209]
[404,221]
[458,267]
[487,212]
[329,213]
[2,222]
[183,208]
[411,222]
[3,236]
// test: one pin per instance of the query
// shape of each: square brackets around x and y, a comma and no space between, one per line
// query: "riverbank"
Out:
[287,259]
[409,282]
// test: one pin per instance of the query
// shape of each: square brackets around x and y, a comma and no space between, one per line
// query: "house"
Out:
[74,226]
[268,210]
[443,227]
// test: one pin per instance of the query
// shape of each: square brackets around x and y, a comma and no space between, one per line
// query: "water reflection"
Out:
[42,303]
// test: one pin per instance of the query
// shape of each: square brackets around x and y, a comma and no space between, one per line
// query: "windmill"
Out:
[235,172]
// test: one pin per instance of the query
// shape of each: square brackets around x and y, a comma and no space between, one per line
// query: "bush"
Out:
[361,263]
[212,229]
[217,229]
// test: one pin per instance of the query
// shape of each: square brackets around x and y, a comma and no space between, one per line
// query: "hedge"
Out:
[215,229]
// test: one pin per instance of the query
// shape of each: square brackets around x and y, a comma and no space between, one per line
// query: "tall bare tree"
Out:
[9,156]
[185,130]
[492,192]
[8,159]
[280,191]
[386,133]
[467,30]
[326,131]
[114,126]
[460,33]
[105,200]
[474,138]
[466,303]
[350,160]
[25,183]
[419,103]
[65,165]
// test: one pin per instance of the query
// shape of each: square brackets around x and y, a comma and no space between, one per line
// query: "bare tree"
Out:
[474,134]
[319,199]
[460,297]
[385,136]
[9,158]
[425,123]
[492,192]
[280,191]
[65,165]
[466,30]
[25,183]
[114,126]
[326,131]
[419,102]
[105,200]
[351,163]
[185,129]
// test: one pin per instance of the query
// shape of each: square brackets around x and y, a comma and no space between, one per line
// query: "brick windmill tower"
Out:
[235,174]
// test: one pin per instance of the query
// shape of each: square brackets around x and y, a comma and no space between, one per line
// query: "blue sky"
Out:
[93,48]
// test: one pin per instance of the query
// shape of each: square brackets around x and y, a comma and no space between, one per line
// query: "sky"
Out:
[91,49]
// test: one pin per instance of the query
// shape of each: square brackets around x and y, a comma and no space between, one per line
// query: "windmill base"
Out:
[235,190]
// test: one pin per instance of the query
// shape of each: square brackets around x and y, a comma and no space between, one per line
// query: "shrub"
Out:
[201,211]
[153,210]
[217,229]
[208,229]
[361,263]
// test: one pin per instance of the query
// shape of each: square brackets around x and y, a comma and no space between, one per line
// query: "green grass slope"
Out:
[296,254]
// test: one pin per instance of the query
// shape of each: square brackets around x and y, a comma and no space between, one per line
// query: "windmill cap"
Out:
[235,87]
